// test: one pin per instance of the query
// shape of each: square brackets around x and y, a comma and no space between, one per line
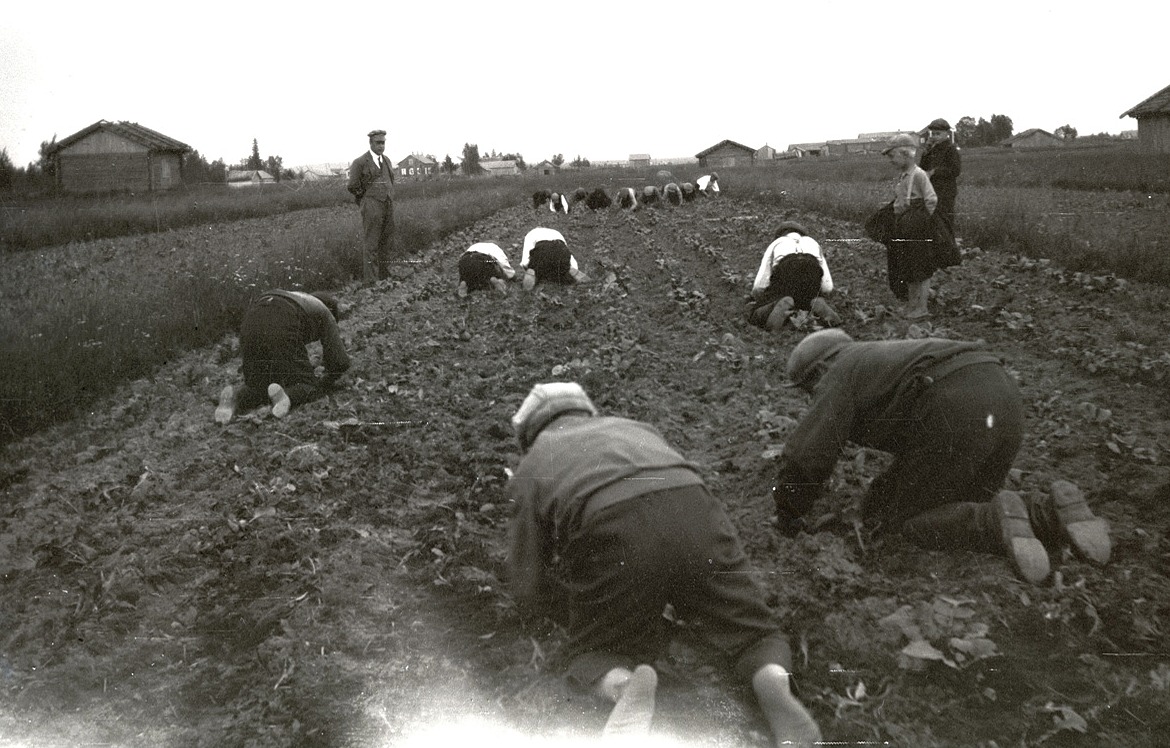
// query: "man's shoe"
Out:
[499,285]
[461,292]
[226,410]
[634,712]
[280,402]
[529,280]
[1027,554]
[1086,534]
[826,313]
[779,314]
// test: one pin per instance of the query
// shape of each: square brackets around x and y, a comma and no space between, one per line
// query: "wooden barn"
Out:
[726,153]
[1153,118]
[249,178]
[639,159]
[1033,138]
[118,156]
[508,168]
[546,168]
[415,166]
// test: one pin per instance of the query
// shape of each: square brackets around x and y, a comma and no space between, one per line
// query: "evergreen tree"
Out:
[471,165]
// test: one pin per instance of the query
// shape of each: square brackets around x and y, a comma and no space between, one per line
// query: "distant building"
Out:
[417,167]
[800,150]
[639,159]
[1034,138]
[726,153]
[1153,118]
[546,168]
[323,172]
[117,156]
[249,178]
[765,153]
[500,168]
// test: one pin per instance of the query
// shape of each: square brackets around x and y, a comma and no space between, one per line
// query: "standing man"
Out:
[371,182]
[942,163]
[611,525]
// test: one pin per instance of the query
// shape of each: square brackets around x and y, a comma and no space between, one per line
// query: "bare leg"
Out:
[634,696]
[916,296]
[791,723]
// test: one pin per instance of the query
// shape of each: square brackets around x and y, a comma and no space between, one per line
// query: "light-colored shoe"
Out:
[779,314]
[1086,534]
[499,285]
[529,282]
[226,410]
[826,313]
[461,292]
[280,402]
[1028,556]
[634,711]
[791,722]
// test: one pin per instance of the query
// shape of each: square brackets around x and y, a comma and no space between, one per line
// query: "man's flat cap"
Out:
[376,132]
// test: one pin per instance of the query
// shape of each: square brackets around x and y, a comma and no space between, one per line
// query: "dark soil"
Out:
[334,578]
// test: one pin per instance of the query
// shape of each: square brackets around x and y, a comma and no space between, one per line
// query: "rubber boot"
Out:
[825,312]
[1063,518]
[779,314]
[1001,526]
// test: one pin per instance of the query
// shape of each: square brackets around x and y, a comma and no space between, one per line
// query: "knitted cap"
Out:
[815,348]
[544,403]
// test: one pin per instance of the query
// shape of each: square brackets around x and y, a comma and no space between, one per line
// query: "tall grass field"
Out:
[95,292]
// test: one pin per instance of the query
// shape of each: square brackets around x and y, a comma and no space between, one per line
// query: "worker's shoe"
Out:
[790,721]
[824,312]
[634,710]
[1026,553]
[499,285]
[529,282]
[226,410]
[461,291]
[1063,518]
[779,314]
[280,402]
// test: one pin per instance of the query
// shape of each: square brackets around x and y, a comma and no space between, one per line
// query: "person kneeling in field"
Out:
[611,525]
[793,274]
[651,195]
[952,417]
[484,265]
[546,259]
[689,193]
[276,367]
[708,184]
[626,198]
[672,193]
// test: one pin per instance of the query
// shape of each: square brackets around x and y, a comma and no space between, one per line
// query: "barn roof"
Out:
[418,157]
[131,131]
[1026,134]
[498,164]
[722,143]
[1159,103]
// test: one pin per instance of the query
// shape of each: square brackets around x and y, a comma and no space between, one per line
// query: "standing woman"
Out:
[942,164]
[910,253]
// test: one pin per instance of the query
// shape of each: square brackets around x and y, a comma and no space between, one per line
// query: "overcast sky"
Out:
[308,81]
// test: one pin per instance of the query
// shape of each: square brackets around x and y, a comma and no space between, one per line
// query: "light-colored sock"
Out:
[280,402]
[634,711]
[226,410]
[790,721]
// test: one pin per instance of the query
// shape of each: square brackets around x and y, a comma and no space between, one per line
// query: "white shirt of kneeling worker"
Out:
[541,234]
[791,243]
[493,251]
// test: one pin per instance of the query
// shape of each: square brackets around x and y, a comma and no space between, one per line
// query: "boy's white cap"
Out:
[545,402]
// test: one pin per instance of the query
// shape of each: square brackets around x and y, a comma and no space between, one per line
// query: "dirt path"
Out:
[333,578]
